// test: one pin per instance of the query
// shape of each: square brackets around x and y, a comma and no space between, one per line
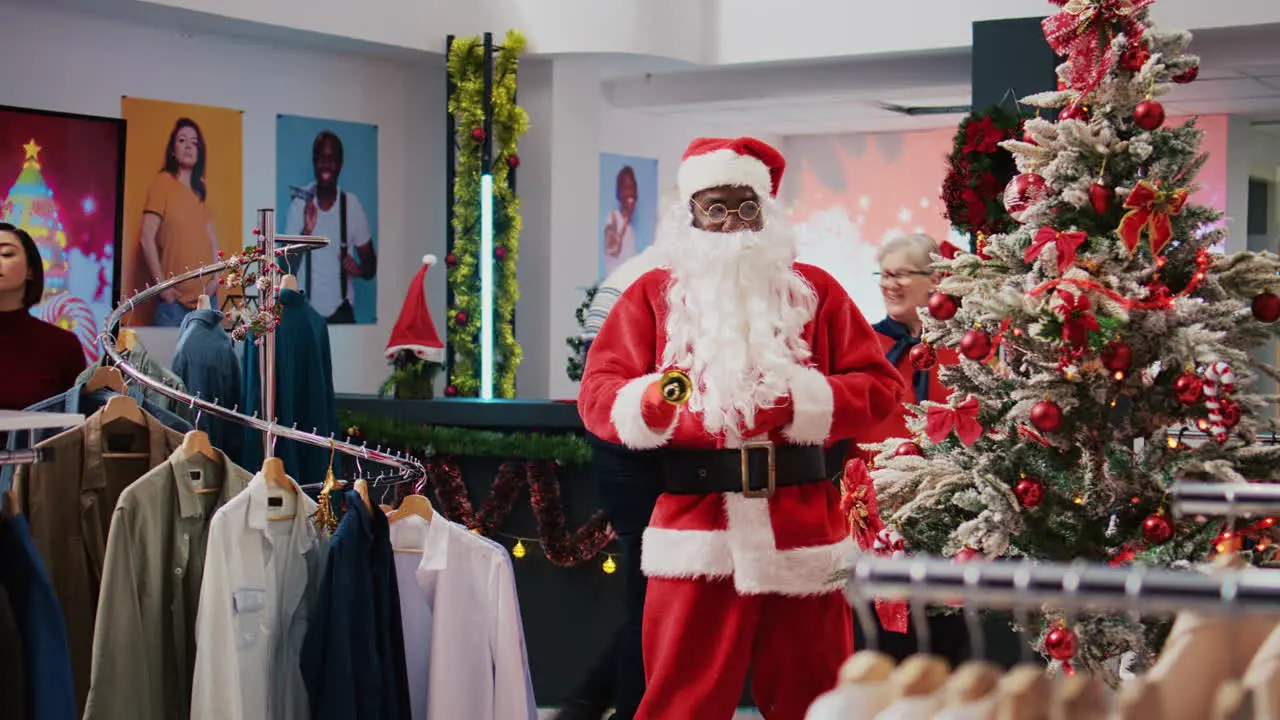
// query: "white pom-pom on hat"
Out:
[428,259]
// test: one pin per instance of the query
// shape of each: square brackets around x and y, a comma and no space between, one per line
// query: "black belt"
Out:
[755,470]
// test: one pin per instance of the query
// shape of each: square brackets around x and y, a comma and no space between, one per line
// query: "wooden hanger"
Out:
[412,506]
[122,407]
[866,666]
[289,281]
[1023,694]
[127,340]
[1139,699]
[1232,702]
[918,675]
[971,682]
[362,489]
[203,302]
[1079,697]
[273,472]
[197,442]
[108,377]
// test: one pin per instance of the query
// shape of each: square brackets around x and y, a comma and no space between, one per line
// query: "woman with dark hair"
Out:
[40,360]
[177,230]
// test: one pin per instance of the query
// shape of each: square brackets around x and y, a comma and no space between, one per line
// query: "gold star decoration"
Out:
[32,149]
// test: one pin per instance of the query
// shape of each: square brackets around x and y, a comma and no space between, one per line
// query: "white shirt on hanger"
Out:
[261,576]
[458,599]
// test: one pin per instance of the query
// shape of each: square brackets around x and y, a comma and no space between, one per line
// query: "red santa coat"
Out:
[794,542]
[895,425]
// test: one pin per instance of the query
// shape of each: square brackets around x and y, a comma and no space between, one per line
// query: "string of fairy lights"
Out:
[520,550]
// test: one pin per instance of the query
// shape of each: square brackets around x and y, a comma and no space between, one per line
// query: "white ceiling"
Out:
[1240,75]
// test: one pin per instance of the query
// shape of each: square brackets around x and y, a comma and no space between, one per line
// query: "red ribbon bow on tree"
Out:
[1149,210]
[858,504]
[1067,244]
[1081,32]
[942,419]
[1077,317]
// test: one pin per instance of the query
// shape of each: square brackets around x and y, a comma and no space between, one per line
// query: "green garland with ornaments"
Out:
[510,121]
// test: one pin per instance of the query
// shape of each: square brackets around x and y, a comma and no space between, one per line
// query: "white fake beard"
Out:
[736,313]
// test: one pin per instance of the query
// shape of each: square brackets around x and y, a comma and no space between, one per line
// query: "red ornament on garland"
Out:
[943,306]
[1188,75]
[976,344]
[908,449]
[451,259]
[1046,416]
[1026,138]
[1030,492]
[1022,192]
[1117,356]
[1157,529]
[1266,307]
[1134,58]
[1101,197]
[500,253]
[461,317]
[478,134]
[1061,643]
[1149,115]
[922,356]
[1188,388]
[1230,411]
[513,161]
[451,391]
[1074,112]
[965,554]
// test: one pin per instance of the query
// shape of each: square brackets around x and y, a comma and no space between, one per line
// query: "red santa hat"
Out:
[735,162]
[415,330]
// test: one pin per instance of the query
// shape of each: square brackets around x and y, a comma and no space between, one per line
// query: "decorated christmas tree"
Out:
[31,206]
[1103,321]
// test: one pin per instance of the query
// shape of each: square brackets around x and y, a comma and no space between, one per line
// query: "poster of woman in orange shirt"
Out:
[182,201]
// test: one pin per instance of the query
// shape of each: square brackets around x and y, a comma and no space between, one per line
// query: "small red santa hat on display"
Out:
[735,162]
[415,331]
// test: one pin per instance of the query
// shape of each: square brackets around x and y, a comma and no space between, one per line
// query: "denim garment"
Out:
[206,362]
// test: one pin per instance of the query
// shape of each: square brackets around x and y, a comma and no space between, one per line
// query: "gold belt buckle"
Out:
[745,453]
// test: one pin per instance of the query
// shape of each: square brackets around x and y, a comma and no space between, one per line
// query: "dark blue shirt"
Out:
[207,364]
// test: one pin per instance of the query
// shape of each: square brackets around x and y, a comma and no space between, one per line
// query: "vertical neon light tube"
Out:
[486,287]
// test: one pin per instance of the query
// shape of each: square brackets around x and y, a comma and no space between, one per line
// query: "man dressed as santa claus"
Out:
[744,544]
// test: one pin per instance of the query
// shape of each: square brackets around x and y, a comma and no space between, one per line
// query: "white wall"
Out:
[82,64]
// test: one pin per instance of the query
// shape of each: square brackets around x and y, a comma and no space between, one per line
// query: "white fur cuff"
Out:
[686,554]
[814,403]
[628,420]
[721,168]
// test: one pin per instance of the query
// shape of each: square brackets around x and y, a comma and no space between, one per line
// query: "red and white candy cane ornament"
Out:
[890,544]
[1219,379]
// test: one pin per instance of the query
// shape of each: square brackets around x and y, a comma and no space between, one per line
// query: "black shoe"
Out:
[580,710]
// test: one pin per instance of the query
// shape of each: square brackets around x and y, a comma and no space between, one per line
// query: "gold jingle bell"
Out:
[676,387]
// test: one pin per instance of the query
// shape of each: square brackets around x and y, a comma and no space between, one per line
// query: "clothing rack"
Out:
[268,241]
[24,457]
[1225,499]
[1185,434]
[1011,584]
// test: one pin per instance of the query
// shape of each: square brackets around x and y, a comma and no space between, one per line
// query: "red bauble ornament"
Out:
[1134,58]
[1266,307]
[477,134]
[908,448]
[500,253]
[922,357]
[1117,356]
[1022,192]
[451,259]
[1026,138]
[1030,492]
[1149,115]
[976,344]
[513,161]
[1074,112]
[1101,197]
[965,554]
[1188,389]
[451,391]
[1046,416]
[461,317]
[1188,75]
[1157,529]
[943,306]
[1230,411]
[1061,643]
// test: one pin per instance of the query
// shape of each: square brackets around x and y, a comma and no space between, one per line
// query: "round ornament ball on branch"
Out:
[908,449]
[976,344]
[1188,388]
[478,134]
[451,259]
[1117,356]
[1149,115]
[1022,192]
[1157,528]
[1030,492]
[922,356]
[1101,197]
[1046,416]
[513,161]
[1266,307]
[461,317]
[1187,76]
[943,306]
[1061,643]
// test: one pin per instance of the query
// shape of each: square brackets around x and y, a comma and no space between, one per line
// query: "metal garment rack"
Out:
[1225,499]
[1011,584]
[22,457]
[1192,434]
[267,241]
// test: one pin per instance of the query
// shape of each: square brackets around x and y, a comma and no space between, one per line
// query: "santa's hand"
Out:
[656,411]
[771,418]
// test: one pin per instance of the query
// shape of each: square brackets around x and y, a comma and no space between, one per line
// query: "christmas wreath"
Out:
[977,172]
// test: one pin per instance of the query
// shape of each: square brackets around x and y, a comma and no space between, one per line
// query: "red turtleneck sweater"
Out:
[38,360]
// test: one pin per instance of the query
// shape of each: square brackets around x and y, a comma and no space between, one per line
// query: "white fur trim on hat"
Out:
[723,168]
[425,352]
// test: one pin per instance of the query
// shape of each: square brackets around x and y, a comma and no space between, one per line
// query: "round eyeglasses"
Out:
[747,211]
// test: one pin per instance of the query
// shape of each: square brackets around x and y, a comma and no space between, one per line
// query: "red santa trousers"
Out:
[701,637]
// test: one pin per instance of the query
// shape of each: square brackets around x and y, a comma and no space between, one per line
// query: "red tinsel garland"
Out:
[561,547]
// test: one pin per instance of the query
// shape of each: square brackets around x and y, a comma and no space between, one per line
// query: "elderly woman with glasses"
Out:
[906,283]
